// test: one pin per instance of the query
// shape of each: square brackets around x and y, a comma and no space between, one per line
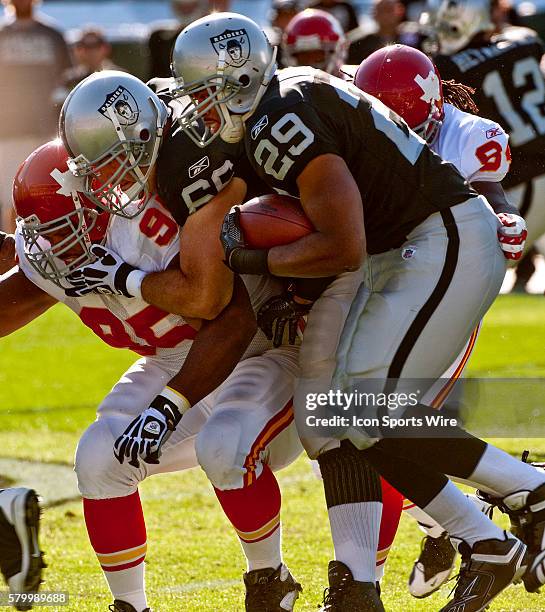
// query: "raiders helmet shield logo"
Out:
[122,103]
[235,44]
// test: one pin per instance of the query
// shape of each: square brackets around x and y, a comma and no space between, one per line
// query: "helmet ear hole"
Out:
[244,80]
[145,135]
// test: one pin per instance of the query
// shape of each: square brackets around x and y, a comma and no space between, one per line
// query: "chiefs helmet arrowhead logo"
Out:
[67,181]
[430,86]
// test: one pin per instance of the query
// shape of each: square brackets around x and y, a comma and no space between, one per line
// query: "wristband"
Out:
[179,399]
[249,261]
[134,283]
[171,402]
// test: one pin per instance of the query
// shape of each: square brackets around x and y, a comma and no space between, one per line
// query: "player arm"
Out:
[202,285]
[496,197]
[332,201]
[217,347]
[21,301]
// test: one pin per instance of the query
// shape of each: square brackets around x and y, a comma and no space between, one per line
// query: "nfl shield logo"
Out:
[235,44]
[122,103]
[408,252]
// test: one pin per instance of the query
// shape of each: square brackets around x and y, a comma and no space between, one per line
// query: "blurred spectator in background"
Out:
[33,56]
[315,38]
[91,53]
[343,11]
[162,39]
[282,12]
[389,16]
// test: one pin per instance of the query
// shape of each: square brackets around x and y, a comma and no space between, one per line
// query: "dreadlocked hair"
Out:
[459,95]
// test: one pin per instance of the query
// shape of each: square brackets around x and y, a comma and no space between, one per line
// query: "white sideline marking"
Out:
[55,483]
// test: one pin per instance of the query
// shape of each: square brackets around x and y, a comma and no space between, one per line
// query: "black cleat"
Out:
[123,606]
[271,590]
[21,560]
[486,569]
[526,510]
[348,595]
[433,567]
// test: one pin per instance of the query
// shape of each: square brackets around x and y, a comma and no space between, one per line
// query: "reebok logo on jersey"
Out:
[493,132]
[198,167]
[259,126]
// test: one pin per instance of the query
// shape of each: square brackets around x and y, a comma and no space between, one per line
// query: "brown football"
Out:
[273,220]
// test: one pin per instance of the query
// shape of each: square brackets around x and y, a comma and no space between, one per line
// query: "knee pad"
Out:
[100,475]
[218,450]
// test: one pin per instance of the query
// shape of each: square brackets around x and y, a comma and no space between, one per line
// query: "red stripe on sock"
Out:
[392,506]
[252,507]
[115,524]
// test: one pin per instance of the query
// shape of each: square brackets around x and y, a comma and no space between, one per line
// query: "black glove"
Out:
[237,257]
[276,312]
[108,274]
[145,436]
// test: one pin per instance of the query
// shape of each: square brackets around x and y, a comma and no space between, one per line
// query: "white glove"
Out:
[512,235]
[144,437]
[108,274]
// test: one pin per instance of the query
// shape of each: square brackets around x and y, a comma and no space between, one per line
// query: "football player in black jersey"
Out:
[418,263]
[504,69]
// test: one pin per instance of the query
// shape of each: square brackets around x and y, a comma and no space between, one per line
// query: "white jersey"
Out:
[477,147]
[149,242]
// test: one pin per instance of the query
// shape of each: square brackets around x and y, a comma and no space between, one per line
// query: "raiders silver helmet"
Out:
[112,125]
[225,62]
[457,22]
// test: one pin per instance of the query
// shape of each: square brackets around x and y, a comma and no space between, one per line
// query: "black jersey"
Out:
[189,176]
[306,113]
[510,90]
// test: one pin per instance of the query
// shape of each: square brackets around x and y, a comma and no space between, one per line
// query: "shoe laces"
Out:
[464,577]
[333,596]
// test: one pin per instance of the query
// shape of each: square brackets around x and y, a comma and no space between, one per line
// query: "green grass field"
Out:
[52,376]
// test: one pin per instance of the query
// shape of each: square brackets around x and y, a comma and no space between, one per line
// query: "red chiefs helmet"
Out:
[315,30]
[57,222]
[408,82]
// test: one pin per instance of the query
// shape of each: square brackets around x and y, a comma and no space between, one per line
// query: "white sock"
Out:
[432,528]
[129,586]
[460,517]
[355,528]
[265,553]
[505,474]
[426,523]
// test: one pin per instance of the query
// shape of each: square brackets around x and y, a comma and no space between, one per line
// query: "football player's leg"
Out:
[352,487]
[249,435]
[112,508]
[392,506]
[440,291]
